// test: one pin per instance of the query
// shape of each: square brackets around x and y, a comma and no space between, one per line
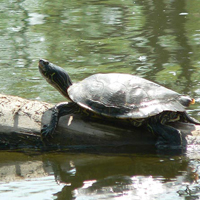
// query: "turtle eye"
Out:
[44,62]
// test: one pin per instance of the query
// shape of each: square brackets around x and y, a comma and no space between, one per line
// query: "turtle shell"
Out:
[125,96]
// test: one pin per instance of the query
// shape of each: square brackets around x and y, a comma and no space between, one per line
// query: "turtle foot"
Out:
[162,144]
[47,131]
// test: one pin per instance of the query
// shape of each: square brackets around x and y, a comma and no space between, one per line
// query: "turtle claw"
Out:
[47,131]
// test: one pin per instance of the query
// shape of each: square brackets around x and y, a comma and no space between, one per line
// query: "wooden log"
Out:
[21,121]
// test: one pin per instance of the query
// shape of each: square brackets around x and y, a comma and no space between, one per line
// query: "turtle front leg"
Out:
[58,111]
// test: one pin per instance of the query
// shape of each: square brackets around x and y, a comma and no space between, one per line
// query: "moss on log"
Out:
[21,121]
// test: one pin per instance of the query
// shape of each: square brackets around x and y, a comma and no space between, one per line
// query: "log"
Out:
[21,121]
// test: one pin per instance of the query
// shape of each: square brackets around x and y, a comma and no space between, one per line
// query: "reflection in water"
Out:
[86,176]
[168,46]
[35,188]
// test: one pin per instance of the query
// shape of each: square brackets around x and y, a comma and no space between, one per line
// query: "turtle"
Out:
[118,96]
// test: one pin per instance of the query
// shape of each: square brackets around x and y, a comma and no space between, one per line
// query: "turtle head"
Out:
[56,76]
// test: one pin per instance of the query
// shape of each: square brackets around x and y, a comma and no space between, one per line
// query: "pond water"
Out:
[158,40]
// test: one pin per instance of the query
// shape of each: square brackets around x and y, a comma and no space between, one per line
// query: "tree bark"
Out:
[21,121]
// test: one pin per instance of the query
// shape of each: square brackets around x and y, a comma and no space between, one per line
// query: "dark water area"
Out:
[158,40]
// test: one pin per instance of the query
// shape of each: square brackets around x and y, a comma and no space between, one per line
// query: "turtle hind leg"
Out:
[167,135]
[58,111]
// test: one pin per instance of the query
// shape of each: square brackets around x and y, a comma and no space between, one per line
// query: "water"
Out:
[158,40]
[87,176]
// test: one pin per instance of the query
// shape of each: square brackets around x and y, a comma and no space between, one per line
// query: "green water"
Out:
[158,40]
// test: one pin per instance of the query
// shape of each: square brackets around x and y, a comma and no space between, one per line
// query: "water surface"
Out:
[158,40]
